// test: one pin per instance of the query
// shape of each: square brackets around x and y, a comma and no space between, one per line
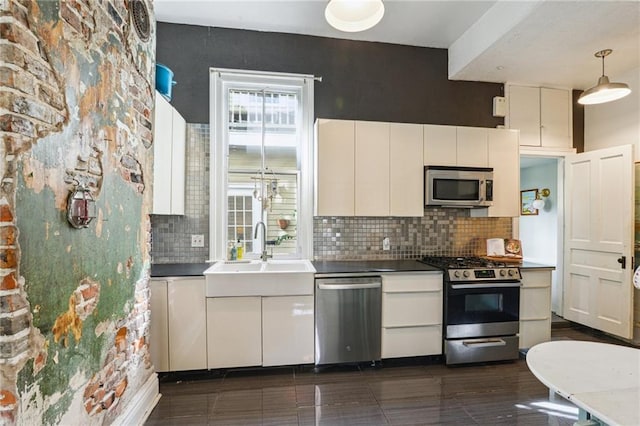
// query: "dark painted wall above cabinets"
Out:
[361,80]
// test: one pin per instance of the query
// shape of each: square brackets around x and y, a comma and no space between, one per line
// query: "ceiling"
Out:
[546,43]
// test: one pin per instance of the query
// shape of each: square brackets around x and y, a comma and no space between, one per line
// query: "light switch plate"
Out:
[197,240]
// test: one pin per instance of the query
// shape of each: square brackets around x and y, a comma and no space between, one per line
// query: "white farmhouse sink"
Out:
[257,278]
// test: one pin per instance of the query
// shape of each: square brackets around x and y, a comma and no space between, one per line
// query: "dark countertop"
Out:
[531,265]
[178,269]
[358,266]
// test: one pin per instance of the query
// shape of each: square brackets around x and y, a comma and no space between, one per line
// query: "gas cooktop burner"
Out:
[445,262]
[472,269]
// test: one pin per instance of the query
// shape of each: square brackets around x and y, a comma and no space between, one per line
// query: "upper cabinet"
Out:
[335,159]
[169,134]
[504,157]
[455,146]
[372,169]
[542,115]
[377,169]
[368,168]
[406,196]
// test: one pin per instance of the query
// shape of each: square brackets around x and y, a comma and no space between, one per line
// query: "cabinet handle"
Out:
[484,343]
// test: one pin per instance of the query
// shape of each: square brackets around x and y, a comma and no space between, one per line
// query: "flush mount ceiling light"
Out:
[604,91]
[354,15]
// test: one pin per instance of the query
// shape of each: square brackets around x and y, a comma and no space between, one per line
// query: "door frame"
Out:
[557,287]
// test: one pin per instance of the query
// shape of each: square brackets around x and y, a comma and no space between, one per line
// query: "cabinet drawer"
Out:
[536,278]
[412,282]
[411,341]
[535,303]
[399,309]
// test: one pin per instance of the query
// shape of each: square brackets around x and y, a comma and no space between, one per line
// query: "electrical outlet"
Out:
[386,244]
[197,240]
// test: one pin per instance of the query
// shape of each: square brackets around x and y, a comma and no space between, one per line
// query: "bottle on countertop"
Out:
[239,250]
[233,253]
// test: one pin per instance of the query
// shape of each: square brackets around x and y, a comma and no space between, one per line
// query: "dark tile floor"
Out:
[415,392]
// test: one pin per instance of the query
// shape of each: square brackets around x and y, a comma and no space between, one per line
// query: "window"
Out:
[261,165]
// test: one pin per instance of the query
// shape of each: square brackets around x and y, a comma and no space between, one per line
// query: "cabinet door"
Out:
[234,332]
[287,330]
[178,162]
[524,113]
[471,147]
[439,145]
[555,118]
[372,169]
[535,307]
[406,170]
[504,158]
[162,153]
[159,325]
[187,333]
[335,177]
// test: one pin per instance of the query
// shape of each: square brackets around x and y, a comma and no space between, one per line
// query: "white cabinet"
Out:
[368,168]
[504,158]
[406,172]
[168,159]
[253,330]
[335,159]
[178,341]
[542,115]
[234,331]
[411,314]
[372,169]
[287,330]
[455,146]
[159,325]
[471,146]
[440,145]
[535,307]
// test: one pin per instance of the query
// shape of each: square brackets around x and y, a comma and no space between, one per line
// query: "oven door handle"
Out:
[494,285]
[484,343]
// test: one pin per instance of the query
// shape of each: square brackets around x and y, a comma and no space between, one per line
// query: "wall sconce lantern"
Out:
[81,207]
[539,203]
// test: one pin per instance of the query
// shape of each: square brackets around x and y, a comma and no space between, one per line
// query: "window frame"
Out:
[221,79]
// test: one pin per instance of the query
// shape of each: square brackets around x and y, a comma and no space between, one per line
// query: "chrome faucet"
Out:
[264,255]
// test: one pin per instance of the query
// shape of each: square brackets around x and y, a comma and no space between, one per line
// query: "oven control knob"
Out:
[456,274]
[466,274]
[503,273]
[511,272]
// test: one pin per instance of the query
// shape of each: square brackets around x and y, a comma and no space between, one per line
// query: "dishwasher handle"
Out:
[348,286]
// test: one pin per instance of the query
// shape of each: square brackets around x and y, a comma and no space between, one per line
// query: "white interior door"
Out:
[598,291]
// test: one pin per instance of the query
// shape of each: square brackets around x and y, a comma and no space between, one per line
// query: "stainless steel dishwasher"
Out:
[348,319]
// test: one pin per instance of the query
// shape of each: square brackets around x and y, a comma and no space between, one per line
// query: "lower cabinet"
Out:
[535,307]
[252,331]
[411,314]
[178,341]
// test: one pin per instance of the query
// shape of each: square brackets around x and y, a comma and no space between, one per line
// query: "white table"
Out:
[601,379]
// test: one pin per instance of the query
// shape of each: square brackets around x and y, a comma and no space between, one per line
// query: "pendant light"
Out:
[354,15]
[604,91]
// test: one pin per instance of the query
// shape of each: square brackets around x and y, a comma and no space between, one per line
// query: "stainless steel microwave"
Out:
[463,187]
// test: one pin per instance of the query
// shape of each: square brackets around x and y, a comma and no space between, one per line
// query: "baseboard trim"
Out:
[142,403]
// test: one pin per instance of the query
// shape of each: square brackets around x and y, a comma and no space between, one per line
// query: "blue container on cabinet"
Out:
[164,80]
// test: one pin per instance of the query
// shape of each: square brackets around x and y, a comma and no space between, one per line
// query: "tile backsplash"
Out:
[445,232]
[449,232]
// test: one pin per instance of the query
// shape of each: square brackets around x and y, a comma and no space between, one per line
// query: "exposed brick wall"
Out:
[33,107]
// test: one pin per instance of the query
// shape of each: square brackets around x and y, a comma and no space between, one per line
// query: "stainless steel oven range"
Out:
[481,313]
